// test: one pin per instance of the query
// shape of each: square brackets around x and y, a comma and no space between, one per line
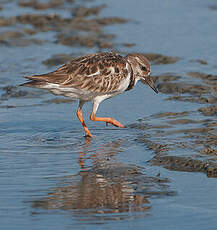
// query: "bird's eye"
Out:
[143,68]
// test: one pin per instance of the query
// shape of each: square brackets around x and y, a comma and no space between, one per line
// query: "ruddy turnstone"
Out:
[95,77]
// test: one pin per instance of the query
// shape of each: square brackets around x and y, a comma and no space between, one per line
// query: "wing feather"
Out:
[100,72]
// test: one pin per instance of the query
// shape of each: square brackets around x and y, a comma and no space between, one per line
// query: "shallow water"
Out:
[158,173]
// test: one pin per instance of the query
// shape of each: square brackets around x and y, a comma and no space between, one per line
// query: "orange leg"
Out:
[107,120]
[81,119]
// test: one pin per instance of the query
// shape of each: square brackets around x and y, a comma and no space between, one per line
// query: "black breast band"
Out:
[132,80]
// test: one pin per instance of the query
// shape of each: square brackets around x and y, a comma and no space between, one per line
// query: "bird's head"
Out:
[141,69]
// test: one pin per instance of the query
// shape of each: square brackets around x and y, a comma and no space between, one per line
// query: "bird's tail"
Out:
[34,83]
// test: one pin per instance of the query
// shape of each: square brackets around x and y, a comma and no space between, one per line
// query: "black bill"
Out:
[150,82]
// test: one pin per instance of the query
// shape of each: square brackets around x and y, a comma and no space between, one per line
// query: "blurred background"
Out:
[158,173]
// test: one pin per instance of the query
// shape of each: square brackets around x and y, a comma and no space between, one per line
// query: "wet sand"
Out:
[160,172]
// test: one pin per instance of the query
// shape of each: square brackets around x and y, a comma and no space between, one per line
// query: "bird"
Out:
[95,78]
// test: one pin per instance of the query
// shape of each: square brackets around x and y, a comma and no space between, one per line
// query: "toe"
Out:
[88,135]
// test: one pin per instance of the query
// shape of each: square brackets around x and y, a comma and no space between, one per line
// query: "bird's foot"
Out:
[115,123]
[107,120]
[88,135]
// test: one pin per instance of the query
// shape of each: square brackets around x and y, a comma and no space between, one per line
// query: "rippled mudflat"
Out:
[158,173]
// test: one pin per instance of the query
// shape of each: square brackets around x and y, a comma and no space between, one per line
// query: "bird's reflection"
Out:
[106,190]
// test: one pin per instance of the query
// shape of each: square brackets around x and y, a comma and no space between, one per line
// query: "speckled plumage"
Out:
[95,77]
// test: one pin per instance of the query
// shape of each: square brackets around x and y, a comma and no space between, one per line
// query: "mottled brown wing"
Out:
[100,83]
[100,72]
[60,75]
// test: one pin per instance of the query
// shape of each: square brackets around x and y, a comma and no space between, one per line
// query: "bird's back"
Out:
[100,73]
